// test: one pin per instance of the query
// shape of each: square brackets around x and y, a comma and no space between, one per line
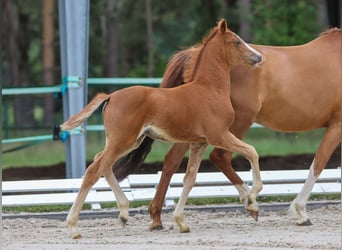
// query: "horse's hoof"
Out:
[254,214]
[156,227]
[305,223]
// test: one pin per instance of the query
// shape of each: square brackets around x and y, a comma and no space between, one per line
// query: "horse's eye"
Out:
[237,42]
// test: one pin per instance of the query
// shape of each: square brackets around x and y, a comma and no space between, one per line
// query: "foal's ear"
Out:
[222,24]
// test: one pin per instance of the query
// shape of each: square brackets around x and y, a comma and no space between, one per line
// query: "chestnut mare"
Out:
[298,88]
[133,113]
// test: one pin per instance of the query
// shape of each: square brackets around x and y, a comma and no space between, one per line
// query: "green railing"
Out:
[91,82]
[122,82]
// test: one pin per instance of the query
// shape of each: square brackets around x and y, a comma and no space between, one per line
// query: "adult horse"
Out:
[298,88]
[131,114]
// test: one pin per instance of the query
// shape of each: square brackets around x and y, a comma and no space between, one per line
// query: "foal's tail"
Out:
[79,118]
[172,77]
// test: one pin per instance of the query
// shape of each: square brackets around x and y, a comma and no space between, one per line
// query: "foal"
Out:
[133,113]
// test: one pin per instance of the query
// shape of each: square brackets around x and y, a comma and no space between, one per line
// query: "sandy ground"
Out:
[209,230]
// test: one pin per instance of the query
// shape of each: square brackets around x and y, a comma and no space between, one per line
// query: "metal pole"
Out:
[73,27]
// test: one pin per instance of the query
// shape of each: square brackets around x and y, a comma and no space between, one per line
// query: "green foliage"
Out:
[284,22]
[176,24]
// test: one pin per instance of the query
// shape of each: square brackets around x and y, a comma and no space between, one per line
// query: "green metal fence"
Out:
[118,82]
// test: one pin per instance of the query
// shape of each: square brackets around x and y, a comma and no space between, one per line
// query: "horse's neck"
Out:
[213,71]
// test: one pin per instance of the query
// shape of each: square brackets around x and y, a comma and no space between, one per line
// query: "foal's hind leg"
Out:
[102,162]
[92,175]
[196,154]
[229,142]
[329,142]
[121,199]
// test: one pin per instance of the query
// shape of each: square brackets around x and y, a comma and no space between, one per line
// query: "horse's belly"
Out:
[291,121]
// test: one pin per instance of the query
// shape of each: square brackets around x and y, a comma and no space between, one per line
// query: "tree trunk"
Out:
[150,62]
[245,24]
[24,106]
[18,42]
[111,58]
[48,58]
[322,14]
[11,48]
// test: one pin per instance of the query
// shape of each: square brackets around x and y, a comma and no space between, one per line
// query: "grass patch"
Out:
[266,142]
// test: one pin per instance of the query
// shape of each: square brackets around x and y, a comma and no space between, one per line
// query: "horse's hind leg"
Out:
[196,154]
[329,142]
[94,171]
[172,162]
[229,142]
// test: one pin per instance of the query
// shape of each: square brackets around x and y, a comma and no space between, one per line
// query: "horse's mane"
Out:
[191,68]
[173,75]
[330,31]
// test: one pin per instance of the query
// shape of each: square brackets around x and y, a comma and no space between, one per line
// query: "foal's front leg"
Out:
[196,153]
[233,144]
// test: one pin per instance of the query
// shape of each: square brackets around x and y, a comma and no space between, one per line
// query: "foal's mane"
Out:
[191,68]
[329,31]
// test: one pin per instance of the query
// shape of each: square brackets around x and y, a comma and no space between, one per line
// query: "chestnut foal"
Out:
[133,113]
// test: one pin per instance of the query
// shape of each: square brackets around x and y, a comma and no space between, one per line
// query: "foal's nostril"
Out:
[255,59]
[260,58]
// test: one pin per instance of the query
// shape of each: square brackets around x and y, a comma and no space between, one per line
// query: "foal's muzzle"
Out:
[255,59]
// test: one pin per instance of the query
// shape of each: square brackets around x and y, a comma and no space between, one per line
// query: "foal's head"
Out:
[235,49]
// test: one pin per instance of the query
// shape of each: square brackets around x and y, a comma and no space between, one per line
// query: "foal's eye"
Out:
[237,42]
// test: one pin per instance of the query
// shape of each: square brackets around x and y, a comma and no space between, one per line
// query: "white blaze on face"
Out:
[253,51]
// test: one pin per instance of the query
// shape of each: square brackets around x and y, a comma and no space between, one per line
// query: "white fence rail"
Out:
[143,187]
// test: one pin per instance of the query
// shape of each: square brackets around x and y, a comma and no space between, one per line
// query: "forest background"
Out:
[134,38]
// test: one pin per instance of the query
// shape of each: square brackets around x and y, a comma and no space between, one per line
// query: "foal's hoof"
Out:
[254,214]
[156,227]
[305,223]
[76,236]
[184,229]
[123,221]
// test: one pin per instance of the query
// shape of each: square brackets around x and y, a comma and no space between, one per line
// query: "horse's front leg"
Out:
[329,142]
[196,153]
[172,162]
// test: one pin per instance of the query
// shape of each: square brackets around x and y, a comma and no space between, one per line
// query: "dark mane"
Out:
[329,31]
[190,71]
[173,75]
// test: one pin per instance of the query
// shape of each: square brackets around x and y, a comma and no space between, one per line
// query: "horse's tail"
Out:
[127,164]
[172,77]
[79,118]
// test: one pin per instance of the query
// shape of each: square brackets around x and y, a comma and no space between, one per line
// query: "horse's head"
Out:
[236,50]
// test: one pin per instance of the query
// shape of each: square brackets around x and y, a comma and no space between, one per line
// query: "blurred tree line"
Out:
[135,38]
